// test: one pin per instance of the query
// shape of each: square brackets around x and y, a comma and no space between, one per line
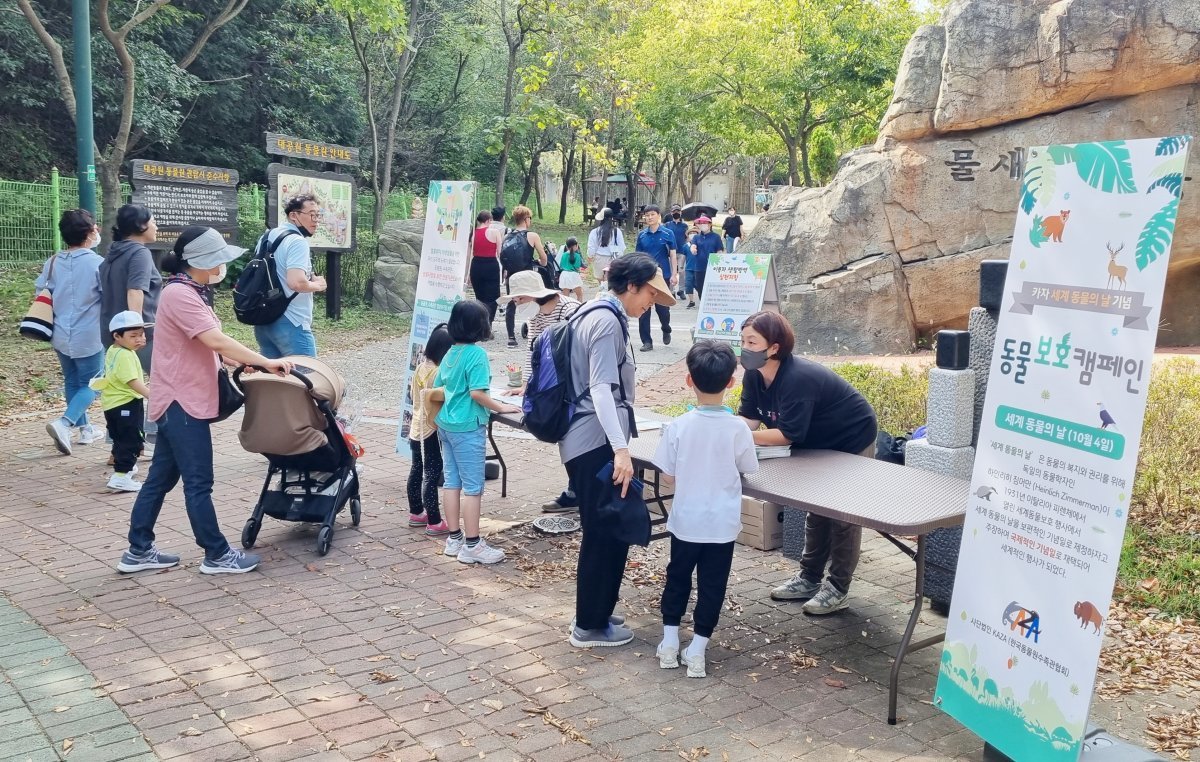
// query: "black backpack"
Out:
[516,253]
[258,297]
[550,403]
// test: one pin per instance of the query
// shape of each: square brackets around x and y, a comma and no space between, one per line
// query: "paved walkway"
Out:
[386,649]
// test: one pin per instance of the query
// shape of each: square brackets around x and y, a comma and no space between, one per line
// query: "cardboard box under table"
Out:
[762,524]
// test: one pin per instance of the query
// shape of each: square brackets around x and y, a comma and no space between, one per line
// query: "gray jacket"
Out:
[128,265]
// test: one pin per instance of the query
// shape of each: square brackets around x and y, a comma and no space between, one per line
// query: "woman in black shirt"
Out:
[788,400]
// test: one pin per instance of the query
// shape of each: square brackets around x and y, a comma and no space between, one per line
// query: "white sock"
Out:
[670,637]
[697,646]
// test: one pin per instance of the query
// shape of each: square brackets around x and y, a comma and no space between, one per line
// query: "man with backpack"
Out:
[291,333]
[517,254]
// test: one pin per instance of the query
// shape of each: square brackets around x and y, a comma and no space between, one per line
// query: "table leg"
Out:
[906,645]
[496,456]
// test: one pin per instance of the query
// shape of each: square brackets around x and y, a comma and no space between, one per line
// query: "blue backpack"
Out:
[550,402]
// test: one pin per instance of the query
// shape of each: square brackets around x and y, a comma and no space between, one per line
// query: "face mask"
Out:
[676,217]
[305,231]
[525,312]
[706,228]
[220,276]
[753,360]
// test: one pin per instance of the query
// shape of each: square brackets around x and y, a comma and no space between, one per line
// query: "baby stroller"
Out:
[292,421]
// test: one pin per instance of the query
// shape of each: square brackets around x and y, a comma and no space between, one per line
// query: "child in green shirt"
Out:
[572,262]
[122,396]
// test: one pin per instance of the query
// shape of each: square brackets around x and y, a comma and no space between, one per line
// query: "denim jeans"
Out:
[77,372]
[282,339]
[693,280]
[729,243]
[184,449]
[463,454]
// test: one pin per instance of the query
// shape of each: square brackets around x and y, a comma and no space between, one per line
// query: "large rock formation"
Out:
[889,251]
[394,283]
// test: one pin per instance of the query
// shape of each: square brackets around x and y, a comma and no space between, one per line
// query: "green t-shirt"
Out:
[121,366]
[463,369]
[570,261]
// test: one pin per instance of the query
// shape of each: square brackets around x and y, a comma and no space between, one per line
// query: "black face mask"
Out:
[676,217]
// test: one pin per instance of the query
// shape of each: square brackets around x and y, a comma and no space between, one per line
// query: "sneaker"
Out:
[124,483]
[613,619]
[647,347]
[89,434]
[453,546]
[482,553]
[796,589]
[691,305]
[613,635]
[695,665]
[233,562]
[567,501]
[151,559]
[668,657]
[666,337]
[512,342]
[418,519]
[61,435]
[827,600]
[437,530]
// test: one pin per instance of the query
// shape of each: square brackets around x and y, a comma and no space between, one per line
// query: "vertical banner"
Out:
[449,218]
[1057,451]
[734,286]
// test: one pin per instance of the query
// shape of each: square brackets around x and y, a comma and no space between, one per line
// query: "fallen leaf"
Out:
[380,676]
[312,567]
[191,732]
[834,683]
[843,670]
[492,704]
[61,708]
[67,745]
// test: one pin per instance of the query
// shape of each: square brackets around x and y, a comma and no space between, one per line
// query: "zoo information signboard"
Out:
[735,287]
[440,278]
[1058,447]
[335,194]
[180,195]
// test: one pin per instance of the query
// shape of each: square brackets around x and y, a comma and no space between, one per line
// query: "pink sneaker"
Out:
[438,529]
[418,519]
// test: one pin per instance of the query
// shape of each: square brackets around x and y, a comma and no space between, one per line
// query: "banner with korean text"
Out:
[1058,447]
[734,289]
[449,216]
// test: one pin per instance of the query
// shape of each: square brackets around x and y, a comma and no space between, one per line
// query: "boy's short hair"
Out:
[438,344]
[469,322]
[124,331]
[711,364]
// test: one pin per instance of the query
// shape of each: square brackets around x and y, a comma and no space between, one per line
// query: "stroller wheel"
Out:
[525,330]
[355,511]
[324,540]
[250,532]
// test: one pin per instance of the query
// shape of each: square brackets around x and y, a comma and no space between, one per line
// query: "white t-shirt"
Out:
[706,450]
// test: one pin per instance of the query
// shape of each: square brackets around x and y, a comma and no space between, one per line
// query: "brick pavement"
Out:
[387,649]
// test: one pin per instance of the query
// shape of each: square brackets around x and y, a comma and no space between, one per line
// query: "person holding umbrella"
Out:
[704,243]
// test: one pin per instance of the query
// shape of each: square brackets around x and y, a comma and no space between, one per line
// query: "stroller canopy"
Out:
[282,414]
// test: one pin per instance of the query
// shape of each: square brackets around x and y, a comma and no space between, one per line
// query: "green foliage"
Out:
[1156,235]
[824,156]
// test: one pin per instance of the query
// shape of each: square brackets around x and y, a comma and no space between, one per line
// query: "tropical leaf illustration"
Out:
[1039,182]
[1156,235]
[1036,236]
[1169,167]
[1172,182]
[1172,145]
[1062,154]
[1105,166]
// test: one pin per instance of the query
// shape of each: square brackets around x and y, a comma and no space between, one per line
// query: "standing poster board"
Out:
[449,218]
[1062,421]
[735,287]
[335,194]
[181,195]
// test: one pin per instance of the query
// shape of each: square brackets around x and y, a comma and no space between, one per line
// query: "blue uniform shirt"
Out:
[659,244]
[680,230]
[706,243]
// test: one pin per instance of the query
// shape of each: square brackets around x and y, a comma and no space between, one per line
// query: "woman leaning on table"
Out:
[788,400]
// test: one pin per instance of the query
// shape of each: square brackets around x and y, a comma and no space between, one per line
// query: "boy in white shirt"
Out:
[706,450]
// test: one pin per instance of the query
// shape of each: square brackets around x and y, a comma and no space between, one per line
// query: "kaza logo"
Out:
[1025,619]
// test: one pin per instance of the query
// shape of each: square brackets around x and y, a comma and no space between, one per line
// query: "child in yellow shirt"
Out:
[123,392]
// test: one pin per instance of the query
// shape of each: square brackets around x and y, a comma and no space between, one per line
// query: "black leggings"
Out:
[423,478]
[485,280]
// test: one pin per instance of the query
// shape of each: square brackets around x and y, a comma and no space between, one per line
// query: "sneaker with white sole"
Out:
[61,434]
[613,619]
[827,600]
[695,665]
[482,553]
[668,657]
[613,635]
[90,434]
[795,589]
[124,483]
[453,546]
[151,559]
[233,562]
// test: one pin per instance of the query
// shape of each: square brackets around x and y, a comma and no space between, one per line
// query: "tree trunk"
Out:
[793,164]
[583,184]
[530,180]
[110,194]
[537,195]
[804,159]
[502,166]
[568,167]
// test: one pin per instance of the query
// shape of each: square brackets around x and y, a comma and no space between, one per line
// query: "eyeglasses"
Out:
[314,213]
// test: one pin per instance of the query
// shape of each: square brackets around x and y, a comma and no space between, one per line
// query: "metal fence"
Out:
[29,214]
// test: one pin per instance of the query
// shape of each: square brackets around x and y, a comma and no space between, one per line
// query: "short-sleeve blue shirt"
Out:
[680,230]
[294,254]
[464,369]
[658,244]
[706,243]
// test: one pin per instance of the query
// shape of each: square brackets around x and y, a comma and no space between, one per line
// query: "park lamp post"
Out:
[85,159]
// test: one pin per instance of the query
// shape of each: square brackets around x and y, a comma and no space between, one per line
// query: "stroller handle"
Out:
[237,375]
